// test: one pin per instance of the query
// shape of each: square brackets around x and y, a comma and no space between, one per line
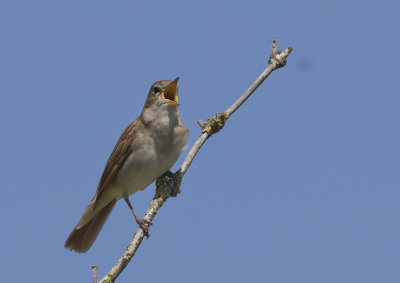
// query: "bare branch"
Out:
[276,61]
[167,186]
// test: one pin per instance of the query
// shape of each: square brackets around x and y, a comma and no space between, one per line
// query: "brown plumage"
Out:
[82,238]
[89,226]
[117,158]
[147,148]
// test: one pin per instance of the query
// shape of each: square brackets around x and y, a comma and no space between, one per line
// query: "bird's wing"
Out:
[121,151]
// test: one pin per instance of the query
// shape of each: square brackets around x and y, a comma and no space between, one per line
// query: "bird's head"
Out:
[162,99]
[164,92]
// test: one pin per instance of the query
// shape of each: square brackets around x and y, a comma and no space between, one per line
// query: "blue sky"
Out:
[302,185]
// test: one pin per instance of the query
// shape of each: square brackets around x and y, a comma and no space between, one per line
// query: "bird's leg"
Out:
[142,222]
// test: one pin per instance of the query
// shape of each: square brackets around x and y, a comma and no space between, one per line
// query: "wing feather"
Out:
[121,151]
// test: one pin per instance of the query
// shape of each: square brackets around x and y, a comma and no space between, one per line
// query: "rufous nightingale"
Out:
[147,149]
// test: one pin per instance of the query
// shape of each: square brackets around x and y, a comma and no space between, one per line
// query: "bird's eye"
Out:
[156,89]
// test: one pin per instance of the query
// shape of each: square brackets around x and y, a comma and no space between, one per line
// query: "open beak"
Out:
[170,92]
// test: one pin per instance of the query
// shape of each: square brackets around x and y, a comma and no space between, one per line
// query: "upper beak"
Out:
[170,92]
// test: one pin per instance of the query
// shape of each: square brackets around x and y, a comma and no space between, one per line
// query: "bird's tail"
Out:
[87,229]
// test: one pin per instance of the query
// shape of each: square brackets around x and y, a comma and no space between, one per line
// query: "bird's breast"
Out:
[151,156]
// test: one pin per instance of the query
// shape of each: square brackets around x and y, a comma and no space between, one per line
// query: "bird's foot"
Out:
[142,223]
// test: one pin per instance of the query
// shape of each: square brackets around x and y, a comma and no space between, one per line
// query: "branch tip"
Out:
[201,123]
[94,270]
[274,48]
[278,58]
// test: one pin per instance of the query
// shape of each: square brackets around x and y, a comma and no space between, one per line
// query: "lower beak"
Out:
[170,92]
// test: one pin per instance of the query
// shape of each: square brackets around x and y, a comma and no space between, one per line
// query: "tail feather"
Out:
[83,237]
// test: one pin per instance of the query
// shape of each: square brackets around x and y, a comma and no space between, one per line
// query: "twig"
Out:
[166,187]
[94,270]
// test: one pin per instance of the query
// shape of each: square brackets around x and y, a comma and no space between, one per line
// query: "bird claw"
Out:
[142,223]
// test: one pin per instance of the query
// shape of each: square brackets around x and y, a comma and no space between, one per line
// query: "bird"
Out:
[147,149]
